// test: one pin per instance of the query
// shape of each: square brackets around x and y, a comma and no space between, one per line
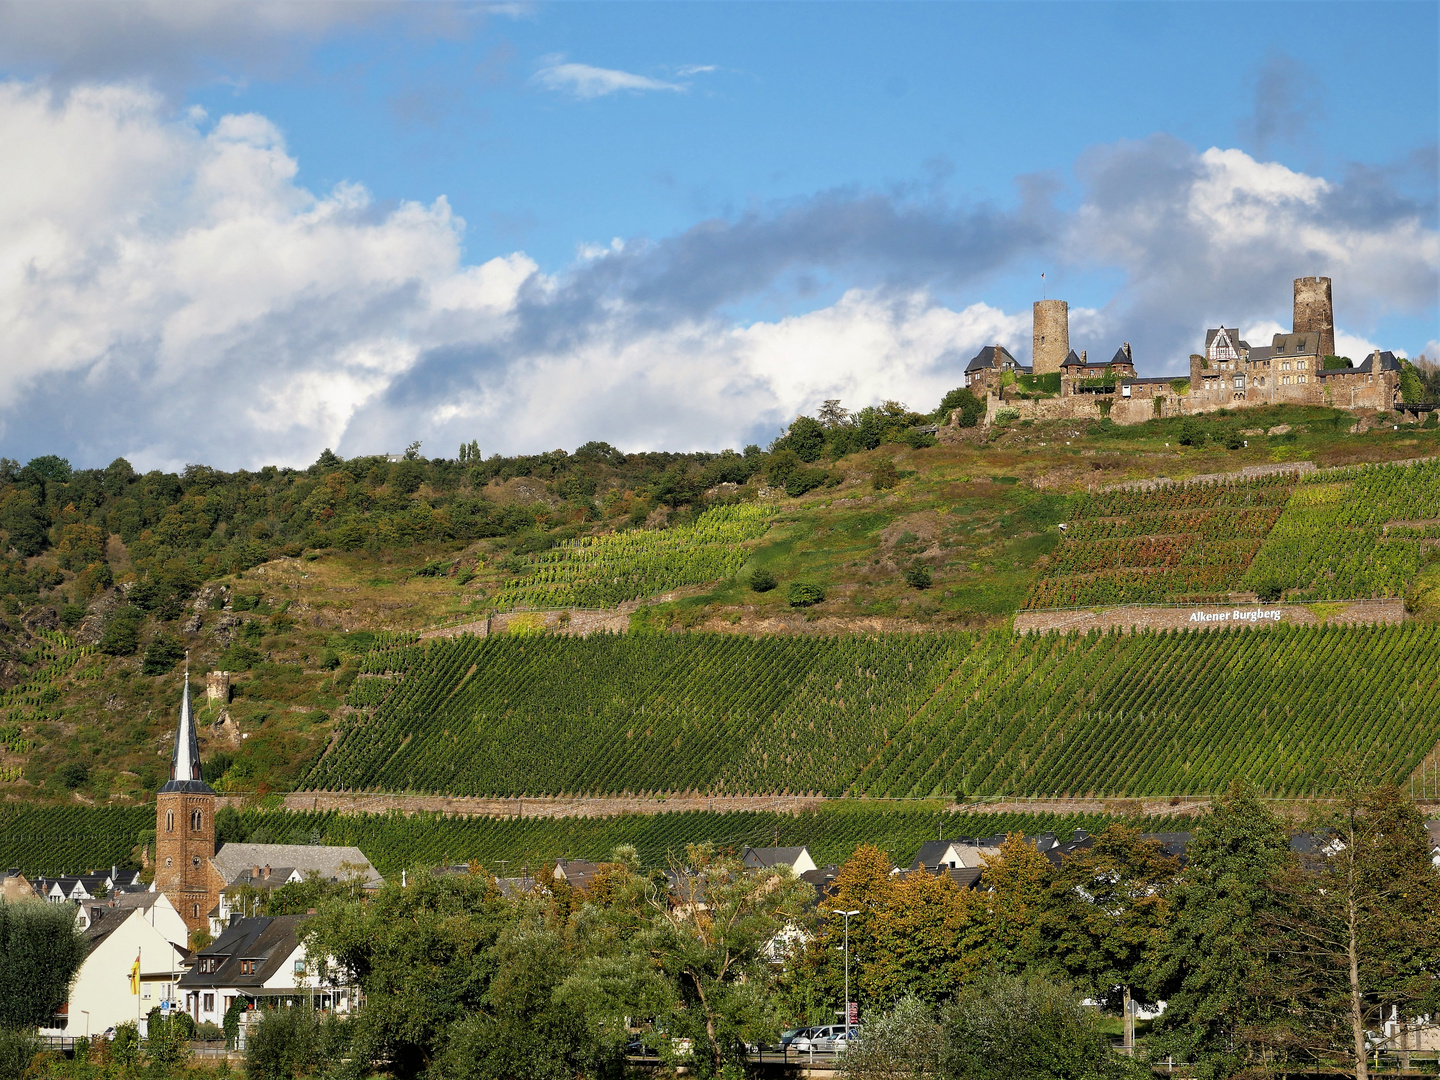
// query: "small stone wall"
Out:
[537,807]
[1211,616]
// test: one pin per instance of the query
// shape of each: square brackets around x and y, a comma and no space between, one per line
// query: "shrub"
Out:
[804,594]
[802,480]
[122,632]
[1191,433]
[1004,416]
[72,774]
[161,655]
[762,580]
[918,576]
[884,476]
[17,1049]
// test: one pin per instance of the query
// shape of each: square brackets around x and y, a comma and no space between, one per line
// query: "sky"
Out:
[238,234]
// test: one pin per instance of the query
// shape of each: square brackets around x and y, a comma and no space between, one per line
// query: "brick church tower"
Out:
[185,828]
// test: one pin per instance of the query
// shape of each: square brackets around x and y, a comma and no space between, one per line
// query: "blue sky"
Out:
[670,224]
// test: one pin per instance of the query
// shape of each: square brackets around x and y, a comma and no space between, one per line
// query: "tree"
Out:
[40,952]
[918,576]
[805,437]
[804,594]
[711,924]
[25,522]
[1209,957]
[422,956]
[902,1044]
[1355,926]
[923,929]
[762,580]
[1027,1028]
[1017,885]
[1106,907]
[832,415]
[970,408]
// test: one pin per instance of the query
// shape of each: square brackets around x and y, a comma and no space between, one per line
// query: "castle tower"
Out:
[185,828]
[1051,335]
[1314,313]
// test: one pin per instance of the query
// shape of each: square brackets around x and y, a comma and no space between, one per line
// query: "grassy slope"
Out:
[977,513]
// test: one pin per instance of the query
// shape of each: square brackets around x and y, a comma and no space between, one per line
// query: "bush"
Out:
[884,476]
[1192,434]
[161,655]
[762,580]
[284,1044]
[918,576]
[17,1049]
[905,1042]
[72,774]
[122,632]
[1028,1026]
[1234,441]
[802,480]
[804,594]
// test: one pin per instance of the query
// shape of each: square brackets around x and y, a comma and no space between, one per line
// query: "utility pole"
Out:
[848,1018]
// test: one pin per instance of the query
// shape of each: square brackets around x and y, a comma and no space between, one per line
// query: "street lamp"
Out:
[847,915]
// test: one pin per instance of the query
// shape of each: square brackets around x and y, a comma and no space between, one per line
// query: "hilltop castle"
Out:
[1298,368]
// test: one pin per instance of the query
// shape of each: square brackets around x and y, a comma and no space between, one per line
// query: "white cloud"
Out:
[584,81]
[686,70]
[169,292]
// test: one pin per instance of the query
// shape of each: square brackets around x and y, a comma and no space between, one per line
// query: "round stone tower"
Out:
[1052,335]
[1313,311]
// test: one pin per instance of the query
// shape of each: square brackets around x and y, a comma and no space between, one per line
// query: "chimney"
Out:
[267,871]
[255,872]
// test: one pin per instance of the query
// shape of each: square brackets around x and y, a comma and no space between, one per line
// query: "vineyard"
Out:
[70,839]
[1336,535]
[896,715]
[602,571]
[1193,541]
[51,839]
[1358,532]
[31,701]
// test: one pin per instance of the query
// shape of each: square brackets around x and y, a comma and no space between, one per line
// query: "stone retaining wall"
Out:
[1211,616]
[537,807]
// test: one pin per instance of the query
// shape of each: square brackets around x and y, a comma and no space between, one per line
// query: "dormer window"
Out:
[247,967]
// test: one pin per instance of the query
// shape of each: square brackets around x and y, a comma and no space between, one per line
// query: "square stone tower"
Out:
[185,828]
[1314,313]
[1051,335]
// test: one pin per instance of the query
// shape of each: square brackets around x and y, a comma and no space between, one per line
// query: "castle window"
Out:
[1287,377]
[1286,365]
[1300,378]
[1300,364]
[169,820]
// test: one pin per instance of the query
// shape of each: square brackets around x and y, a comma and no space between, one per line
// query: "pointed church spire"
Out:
[185,761]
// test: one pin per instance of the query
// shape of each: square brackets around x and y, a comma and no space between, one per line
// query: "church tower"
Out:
[185,828]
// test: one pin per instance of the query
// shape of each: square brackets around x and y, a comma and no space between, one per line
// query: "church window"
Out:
[194,911]
[169,820]
[196,820]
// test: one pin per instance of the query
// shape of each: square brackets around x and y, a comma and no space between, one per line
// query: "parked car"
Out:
[816,1039]
[841,1041]
[789,1035]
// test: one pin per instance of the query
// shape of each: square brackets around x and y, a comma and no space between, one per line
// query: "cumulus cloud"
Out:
[584,81]
[169,292]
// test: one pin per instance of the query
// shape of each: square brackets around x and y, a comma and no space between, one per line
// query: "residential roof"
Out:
[332,863]
[1262,352]
[264,938]
[822,877]
[987,358]
[513,887]
[754,857]
[1306,343]
[577,872]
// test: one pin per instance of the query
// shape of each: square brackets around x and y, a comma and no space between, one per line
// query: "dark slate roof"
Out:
[1173,844]
[1302,344]
[1262,352]
[756,858]
[513,887]
[268,939]
[821,879]
[1120,357]
[1151,381]
[1072,360]
[986,358]
[576,872]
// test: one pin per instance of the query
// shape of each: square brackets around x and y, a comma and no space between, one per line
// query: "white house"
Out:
[143,926]
[258,959]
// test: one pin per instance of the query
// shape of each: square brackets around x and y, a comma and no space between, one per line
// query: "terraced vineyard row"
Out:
[98,837]
[1362,532]
[70,839]
[601,571]
[627,713]
[899,715]
[1172,543]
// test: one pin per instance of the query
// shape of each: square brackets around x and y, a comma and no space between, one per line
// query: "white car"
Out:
[839,1040]
[817,1040]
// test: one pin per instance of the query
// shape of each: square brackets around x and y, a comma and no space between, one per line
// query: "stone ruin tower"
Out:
[1052,333]
[1314,313]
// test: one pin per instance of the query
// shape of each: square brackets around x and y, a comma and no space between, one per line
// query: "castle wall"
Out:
[1051,343]
[1314,312]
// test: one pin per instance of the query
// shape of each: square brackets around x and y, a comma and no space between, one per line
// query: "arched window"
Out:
[195,820]
[169,820]
[194,911]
